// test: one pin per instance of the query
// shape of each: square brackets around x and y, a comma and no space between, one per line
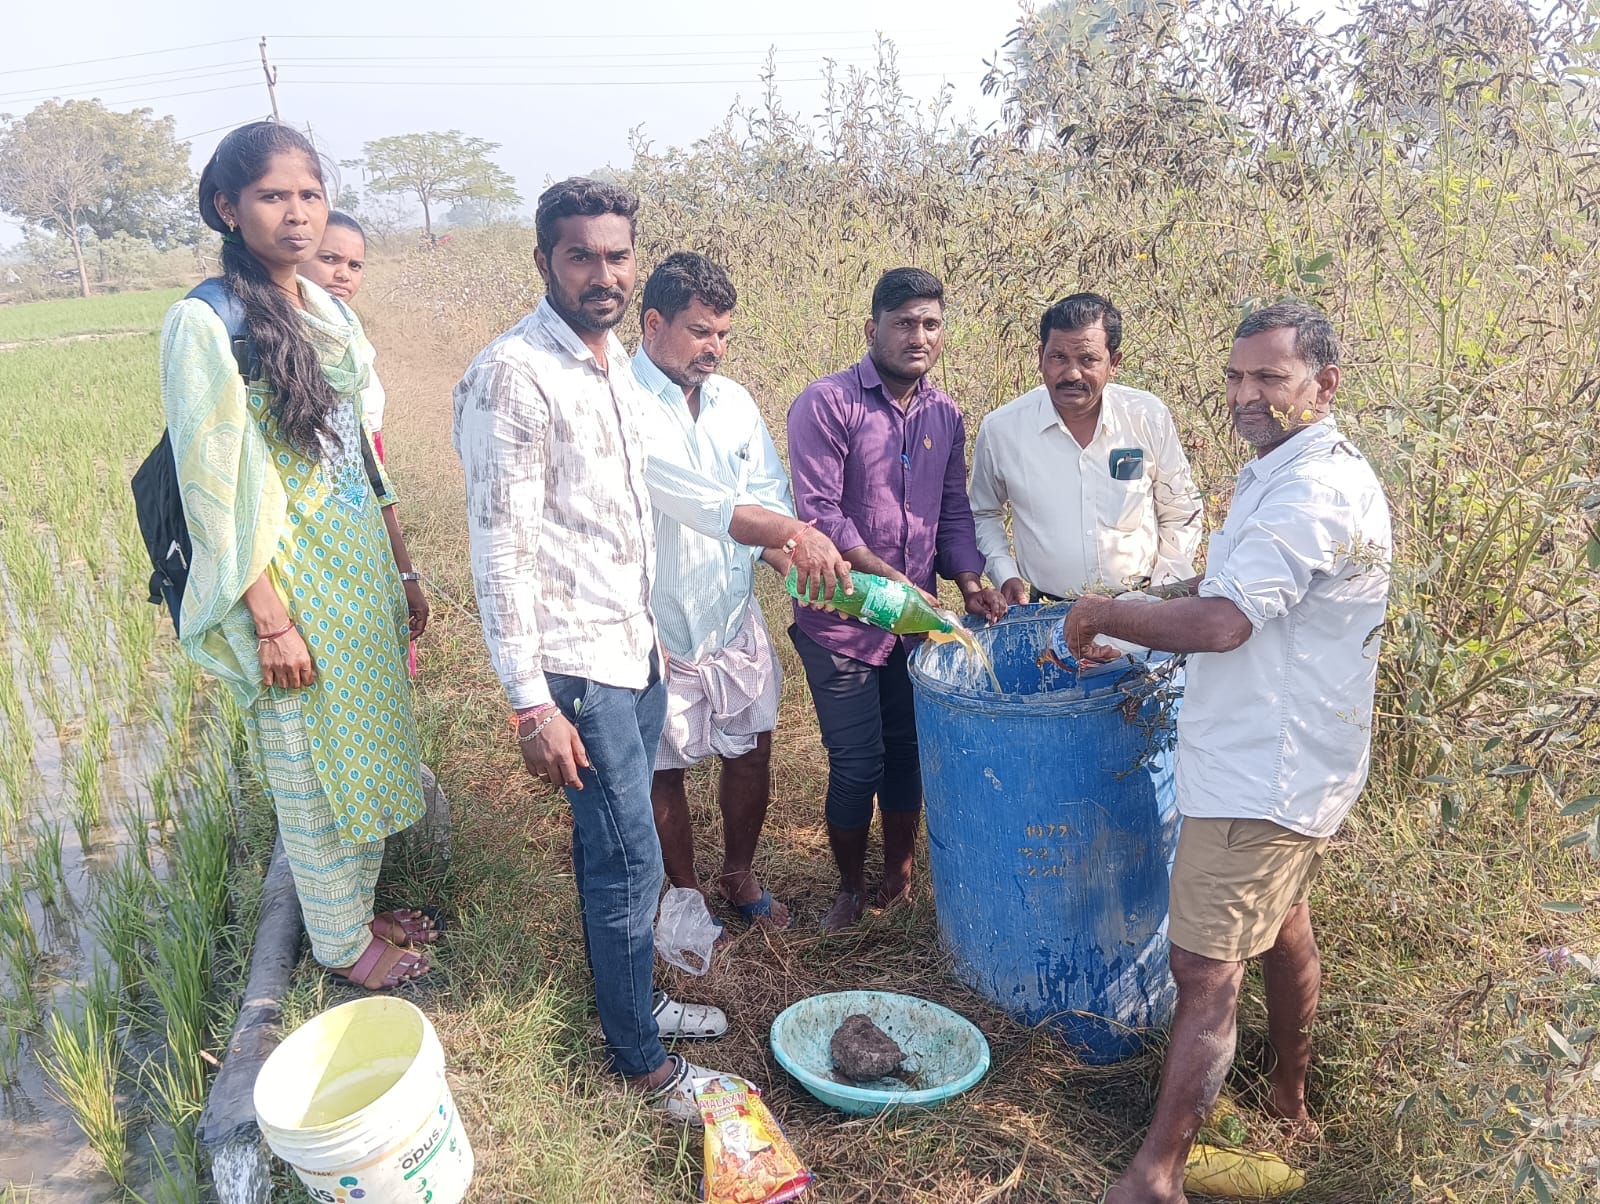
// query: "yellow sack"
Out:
[1239,1174]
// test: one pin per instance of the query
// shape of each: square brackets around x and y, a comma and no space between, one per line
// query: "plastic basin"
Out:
[945,1052]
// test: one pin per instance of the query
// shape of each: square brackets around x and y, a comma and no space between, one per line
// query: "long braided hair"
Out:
[302,399]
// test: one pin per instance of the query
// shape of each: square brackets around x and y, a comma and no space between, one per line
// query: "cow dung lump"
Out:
[863,1052]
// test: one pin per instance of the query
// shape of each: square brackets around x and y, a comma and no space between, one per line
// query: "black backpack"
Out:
[156,498]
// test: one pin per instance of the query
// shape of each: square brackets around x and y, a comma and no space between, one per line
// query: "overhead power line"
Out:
[226,125]
[593,83]
[101,91]
[754,51]
[144,78]
[113,58]
[578,37]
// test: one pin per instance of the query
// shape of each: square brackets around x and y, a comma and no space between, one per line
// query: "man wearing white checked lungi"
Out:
[723,680]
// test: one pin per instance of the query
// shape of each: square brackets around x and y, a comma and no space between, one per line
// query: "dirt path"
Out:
[53,340]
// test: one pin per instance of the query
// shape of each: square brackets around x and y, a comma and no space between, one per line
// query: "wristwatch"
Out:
[411,576]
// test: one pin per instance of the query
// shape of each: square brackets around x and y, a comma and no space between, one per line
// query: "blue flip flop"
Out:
[759,908]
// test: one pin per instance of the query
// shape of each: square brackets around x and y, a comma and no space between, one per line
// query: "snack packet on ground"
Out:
[748,1159]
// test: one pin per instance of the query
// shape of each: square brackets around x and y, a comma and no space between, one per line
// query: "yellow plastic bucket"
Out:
[355,1100]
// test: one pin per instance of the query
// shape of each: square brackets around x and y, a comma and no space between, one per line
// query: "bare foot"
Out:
[846,910]
[1297,1130]
[1294,1123]
[405,927]
[1130,1191]
[891,891]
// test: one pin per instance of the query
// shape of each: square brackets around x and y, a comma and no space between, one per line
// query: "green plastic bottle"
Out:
[891,605]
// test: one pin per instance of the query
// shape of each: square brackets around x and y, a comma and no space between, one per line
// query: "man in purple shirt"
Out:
[878,457]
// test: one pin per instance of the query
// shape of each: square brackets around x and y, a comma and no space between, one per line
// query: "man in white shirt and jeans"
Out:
[561,481]
[1275,734]
[1093,472]
[723,680]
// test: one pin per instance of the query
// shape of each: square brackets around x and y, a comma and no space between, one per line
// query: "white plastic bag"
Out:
[685,931]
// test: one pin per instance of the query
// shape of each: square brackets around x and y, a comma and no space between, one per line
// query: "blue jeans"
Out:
[617,858]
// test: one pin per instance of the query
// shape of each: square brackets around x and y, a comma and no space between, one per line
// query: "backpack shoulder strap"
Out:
[227,306]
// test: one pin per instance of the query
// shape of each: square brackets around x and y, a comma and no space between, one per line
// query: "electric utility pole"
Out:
[272,78]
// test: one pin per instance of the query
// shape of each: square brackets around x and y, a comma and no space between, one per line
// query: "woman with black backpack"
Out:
[300,596]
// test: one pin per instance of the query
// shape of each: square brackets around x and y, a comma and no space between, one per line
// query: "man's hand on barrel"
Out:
[1085,621]
[984,601]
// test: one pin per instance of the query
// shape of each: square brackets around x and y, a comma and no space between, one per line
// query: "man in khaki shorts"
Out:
[1274,739]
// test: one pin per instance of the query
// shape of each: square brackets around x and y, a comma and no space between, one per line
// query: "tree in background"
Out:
[76,169]
[479,212]
[436,167]
[149,187]
[51,175]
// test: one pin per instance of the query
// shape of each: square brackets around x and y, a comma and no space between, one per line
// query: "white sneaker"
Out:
[675,1097]
[688,1021]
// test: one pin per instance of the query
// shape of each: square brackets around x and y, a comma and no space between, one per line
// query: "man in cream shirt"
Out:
[1095,477]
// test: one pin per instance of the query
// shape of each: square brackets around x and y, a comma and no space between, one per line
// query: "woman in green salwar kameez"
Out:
[300,596]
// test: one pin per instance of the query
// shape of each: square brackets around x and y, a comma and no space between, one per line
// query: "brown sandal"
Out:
[383,966]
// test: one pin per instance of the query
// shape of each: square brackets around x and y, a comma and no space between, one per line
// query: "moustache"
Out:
[601,294]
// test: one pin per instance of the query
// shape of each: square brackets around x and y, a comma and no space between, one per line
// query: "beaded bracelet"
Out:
[521,714]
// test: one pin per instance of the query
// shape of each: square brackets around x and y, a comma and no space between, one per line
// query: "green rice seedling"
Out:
[45,865]
[16,925]
[140,828]
[178,972]
[30,582]
[15,760]
[119,908]
[11,708]
[176,1104]
[136,634]
[53,699]
[87,652]
[202,852]
[83,1067]
[96,728]
[181,699]
[159,787]
[174,1182]
[88,807]
[19,1012]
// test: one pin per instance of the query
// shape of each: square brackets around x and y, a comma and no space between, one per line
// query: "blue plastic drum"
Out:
[1051,827]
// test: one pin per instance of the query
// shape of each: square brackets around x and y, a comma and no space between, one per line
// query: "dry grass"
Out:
[1411,922]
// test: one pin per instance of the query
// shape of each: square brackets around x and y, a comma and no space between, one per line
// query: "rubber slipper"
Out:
[688,1021]
[758,909]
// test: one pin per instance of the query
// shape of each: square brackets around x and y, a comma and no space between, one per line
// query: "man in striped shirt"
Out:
[724,682]
[549,427]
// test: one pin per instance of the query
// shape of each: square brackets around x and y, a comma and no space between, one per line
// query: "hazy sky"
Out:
[559,86]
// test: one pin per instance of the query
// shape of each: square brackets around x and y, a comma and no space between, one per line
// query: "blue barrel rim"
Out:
[1111,685]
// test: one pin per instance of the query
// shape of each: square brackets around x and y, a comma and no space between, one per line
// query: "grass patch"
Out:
[110,313]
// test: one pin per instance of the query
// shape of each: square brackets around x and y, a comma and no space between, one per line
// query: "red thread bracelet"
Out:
[272,635]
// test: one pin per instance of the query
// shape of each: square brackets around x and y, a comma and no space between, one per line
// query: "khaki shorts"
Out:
[1234,882]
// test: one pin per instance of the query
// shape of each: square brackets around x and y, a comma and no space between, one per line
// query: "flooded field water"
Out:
[116,792]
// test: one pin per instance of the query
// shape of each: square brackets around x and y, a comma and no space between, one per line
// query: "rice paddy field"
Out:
[117,791]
